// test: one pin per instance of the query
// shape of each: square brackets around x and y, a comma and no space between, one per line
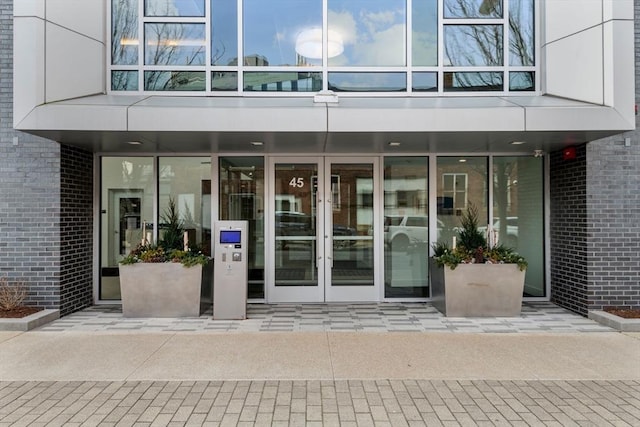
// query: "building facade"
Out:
[351,136]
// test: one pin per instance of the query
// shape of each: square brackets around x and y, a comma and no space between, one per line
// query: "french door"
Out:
[321,223]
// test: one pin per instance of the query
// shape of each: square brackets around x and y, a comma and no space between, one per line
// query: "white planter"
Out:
[160,290]
[477,290]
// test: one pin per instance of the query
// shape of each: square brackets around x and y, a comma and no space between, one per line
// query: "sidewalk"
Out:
[133,377]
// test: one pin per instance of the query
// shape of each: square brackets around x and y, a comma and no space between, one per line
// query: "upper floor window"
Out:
[416,47]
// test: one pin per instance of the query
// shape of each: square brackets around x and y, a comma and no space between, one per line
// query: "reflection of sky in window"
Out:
[174,7]
[224,32]
[425,33]
[270,28]
[472,8]
[373,32]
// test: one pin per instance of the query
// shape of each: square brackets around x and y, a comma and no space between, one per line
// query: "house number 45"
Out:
[296,182]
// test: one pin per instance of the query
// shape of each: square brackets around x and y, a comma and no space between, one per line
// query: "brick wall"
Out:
[595,220]
[29,192]
[45,204]
[76,229]
[568,223]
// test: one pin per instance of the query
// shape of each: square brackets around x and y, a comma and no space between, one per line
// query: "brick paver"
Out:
[322,403]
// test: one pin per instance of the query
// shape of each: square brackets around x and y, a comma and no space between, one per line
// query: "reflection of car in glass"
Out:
[400,231]
[300,224]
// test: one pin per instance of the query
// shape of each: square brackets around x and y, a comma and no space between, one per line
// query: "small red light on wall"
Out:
[569,153]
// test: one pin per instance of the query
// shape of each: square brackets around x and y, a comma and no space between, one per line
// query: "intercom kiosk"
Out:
[230,270]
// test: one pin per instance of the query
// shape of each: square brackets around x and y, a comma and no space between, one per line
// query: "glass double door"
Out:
[322,219]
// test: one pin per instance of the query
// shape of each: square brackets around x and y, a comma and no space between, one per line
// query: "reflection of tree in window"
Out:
[124,32]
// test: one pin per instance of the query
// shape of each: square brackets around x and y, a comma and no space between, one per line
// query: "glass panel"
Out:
[461,181]
[370,32]
[518,211]
[274,29]
[521,37]
[174,80]
[473,45]
[224,32]
[224,80]
[174,7]
[522,80]
[295,225]
[425,82]
[368,82]
[406,227]
[174,44]
[124,32]
[124,80]
[473,8]
[425,33]
[465,81]
[186,182]
[282,82]
[352,219]
[126,198]
[242,198]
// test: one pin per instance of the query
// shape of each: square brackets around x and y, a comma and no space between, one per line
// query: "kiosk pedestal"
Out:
[230,270]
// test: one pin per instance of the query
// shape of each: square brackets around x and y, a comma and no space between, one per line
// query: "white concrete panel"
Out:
[617,9]
[228,115]
[28,8]
[587,118]
[28,66]
[565,17]
[574,67]
[76,117]
[75,65]
[619,77]
[460,119]
[86,17]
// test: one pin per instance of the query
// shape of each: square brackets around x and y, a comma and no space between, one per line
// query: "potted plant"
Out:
[163,280]
[474,278]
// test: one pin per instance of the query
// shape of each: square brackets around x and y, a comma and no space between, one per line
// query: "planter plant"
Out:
[165,279]
[474,278]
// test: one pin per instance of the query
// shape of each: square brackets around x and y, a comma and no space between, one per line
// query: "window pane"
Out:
[523,81]
[425,33]
[368,82]
[518,197]
[174,80]
[372,32]
[473,8]
[466,82]
[521,37]
[425,82]
[126,206]
[224,80]
[271,30]
[124,80]
[461,181]
[174,7]
[224,32]
[174,44]
[124,32]
[242,189]
[282,82]
[473,45]
[406,227]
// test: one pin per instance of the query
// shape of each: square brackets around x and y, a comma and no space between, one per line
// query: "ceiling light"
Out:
[462,160]
[394,144]
[256,143]
[134,142]
[517,142]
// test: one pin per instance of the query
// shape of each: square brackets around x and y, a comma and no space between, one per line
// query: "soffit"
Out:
[163,124]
